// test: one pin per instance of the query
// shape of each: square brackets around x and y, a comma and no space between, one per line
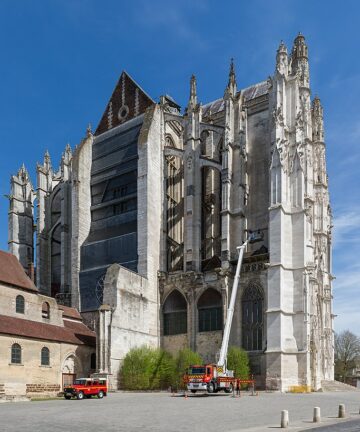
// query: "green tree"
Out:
[347,350]
[184,359]
[238,361]
[146,368]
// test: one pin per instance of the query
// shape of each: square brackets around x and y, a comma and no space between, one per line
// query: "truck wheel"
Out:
[193,391]
[67,397]
[80,395]
[100,394]
[229,389]
[210,388]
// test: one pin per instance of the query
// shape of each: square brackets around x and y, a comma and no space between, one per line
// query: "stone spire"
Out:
[193,96]
[317,114]
[231,87]
[299,60]
[66,156]
[23,174]
[47,161]
[300,49]
[89,131]
[282,59]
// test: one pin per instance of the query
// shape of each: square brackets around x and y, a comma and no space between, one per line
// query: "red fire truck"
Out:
[86,387]
[208,378]
[216,377]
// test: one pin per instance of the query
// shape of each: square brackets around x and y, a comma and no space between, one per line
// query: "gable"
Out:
[127,101]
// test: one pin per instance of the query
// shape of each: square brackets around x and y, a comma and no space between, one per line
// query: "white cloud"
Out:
[347,227]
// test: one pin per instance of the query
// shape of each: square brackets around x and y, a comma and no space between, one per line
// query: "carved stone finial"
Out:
[317,120]
[47,160]
[89,131]
[22,173]
[231,87]
[193,96]
[282,59]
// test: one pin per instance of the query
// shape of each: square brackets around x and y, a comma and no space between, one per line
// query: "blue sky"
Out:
[61,60]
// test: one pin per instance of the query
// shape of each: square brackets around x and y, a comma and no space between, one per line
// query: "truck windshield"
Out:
[196,371]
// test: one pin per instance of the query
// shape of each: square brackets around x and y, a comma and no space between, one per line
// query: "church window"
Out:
[275,178]
[16,354]
[45,356]
[125,206]
[252,318]
[210,311]
[45,310]
[20,304]
[175,314]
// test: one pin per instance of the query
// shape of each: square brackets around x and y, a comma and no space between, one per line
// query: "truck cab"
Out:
[208,378]
[86,388]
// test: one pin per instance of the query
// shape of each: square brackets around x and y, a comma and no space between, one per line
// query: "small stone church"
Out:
[139,225]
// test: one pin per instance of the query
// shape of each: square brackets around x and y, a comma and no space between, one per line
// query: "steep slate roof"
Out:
[12,272]
[127,101]
[255,90]
[249,93]
[72,332]
[69,312]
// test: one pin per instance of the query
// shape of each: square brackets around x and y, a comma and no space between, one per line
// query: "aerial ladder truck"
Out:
[213,378]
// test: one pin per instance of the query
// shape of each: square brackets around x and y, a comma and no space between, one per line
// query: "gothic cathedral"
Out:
[139,226]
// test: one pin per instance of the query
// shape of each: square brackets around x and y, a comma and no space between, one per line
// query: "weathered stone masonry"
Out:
[139,227]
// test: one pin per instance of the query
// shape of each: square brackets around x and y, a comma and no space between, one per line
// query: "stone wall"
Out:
[33,304]
[80,211]
[128,319]
[30,376]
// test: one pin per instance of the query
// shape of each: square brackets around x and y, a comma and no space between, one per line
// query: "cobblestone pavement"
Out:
[161,412]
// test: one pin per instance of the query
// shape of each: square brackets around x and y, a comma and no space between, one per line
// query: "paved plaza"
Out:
[162,412]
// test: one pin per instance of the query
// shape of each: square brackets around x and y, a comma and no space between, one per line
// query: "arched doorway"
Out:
[70,369]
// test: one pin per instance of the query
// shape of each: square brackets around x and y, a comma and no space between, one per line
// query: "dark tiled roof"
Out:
[213,107]
[12,272]
[72,332]
[249,93]
[70,312]
[255,91]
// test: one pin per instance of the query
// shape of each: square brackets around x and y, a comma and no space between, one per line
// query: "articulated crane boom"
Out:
[216,377]
[253,238]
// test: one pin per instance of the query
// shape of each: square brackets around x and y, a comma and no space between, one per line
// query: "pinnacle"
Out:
[282,47]
[88,130]
[193,96]
[231,87]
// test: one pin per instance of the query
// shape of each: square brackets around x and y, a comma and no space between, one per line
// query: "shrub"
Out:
[238,361]
[147,369]
[184,359]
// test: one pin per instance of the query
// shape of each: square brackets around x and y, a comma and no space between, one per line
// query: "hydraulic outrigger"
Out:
[215,377]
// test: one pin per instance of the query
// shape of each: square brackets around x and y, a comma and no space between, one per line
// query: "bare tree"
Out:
[347,348]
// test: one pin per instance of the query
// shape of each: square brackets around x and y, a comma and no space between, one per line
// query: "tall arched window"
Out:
[174,211]
[210,311]
[252,318]
[175,314]
[45,310]
[16,354]
[20,304]
[45,356]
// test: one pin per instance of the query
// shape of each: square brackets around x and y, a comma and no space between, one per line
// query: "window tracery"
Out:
[252,305]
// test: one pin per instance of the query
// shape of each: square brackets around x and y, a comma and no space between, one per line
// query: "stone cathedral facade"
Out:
[138,228]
